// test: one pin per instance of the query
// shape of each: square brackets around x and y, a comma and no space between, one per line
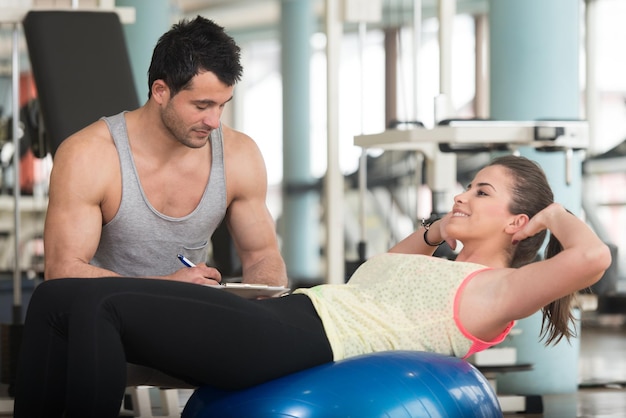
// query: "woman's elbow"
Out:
[600,260]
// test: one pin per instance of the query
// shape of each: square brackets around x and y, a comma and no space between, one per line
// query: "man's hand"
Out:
[199,274]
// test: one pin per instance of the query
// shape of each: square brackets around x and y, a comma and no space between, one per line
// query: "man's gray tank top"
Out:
[140,241]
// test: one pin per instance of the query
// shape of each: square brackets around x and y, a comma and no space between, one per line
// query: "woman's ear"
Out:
[517,223]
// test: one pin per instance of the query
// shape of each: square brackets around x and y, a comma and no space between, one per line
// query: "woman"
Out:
[80,333]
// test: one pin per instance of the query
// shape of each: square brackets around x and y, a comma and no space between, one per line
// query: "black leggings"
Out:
[79,334]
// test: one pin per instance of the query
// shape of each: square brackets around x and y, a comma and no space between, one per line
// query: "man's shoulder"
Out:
[236,142]
[94,138]
[233,134]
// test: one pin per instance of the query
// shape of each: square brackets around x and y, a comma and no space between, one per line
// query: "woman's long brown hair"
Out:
[531,193]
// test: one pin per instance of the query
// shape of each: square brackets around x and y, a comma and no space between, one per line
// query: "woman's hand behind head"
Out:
[445,236]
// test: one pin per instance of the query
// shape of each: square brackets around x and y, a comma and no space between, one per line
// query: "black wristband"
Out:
[426,225]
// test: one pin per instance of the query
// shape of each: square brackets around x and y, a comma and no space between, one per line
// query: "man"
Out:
[131,192]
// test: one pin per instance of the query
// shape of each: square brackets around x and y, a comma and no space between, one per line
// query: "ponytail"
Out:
[558,321]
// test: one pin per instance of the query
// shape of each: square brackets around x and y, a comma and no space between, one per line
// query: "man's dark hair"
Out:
[191,47]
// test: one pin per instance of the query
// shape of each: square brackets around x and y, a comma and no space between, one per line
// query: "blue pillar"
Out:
[300,219]
[152,19]
[534,74]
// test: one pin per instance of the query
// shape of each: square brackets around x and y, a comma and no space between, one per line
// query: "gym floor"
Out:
[602,368]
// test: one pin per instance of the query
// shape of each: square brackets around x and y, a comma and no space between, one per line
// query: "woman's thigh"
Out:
[205,335]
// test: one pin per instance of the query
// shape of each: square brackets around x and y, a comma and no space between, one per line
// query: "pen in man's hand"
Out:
[185,261]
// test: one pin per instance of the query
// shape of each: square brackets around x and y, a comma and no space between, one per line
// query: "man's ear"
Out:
[517,223]
[160,91]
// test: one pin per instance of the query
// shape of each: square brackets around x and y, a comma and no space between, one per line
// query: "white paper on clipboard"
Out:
[252,291]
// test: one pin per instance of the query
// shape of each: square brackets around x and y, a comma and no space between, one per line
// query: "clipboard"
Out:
[252,291]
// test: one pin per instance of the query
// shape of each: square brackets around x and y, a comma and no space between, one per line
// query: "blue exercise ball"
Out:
[394,384]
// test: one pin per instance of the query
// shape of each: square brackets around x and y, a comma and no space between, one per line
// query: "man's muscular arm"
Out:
[74,217]
[249,221]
